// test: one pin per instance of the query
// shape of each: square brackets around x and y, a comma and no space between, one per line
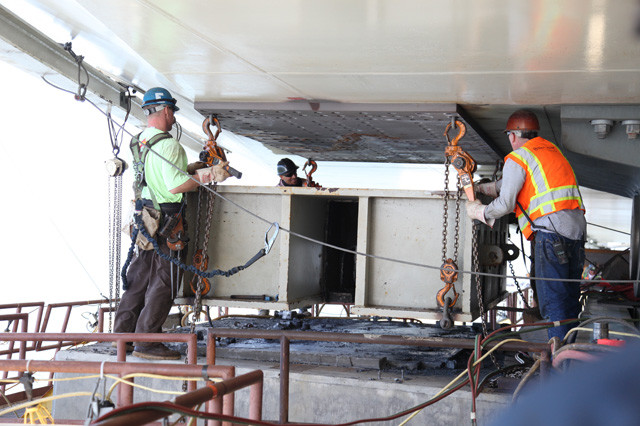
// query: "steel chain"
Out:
[456,241]
[114,189]
[476,268]
[111,257]
[445,213]
[515,280]
[197,304]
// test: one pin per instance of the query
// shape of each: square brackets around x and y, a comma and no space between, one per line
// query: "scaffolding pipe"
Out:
[432,342]
[224,372]
[286,336]
[120,338]
[191,399]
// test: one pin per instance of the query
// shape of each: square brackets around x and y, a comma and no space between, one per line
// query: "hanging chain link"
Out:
[515,280]
[478,280]
[114,189]
[197,303]
[445,212]
[456,241]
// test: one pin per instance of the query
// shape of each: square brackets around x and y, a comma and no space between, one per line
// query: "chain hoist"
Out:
[211,153]
[448,270]
[464,163]
[115,169]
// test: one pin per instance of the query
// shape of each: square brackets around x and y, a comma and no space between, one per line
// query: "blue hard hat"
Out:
[158,96]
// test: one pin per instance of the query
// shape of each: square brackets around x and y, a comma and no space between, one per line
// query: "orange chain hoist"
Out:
[211,153]
[464,163]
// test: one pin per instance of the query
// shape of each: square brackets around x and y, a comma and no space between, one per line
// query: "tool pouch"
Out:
[174,231]
[151,220]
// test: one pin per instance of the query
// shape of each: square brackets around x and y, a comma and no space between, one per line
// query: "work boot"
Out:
[128,346]
[155,350]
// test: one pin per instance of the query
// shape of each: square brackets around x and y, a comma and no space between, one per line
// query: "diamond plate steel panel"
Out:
[362,132]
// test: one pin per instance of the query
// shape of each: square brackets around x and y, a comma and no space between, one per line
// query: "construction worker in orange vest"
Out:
[539,185]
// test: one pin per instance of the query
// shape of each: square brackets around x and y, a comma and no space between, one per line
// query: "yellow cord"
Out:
[41,400]
[119,380]
[461,375]
[156,376]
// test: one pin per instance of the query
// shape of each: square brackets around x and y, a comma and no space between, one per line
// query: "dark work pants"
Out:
[558,299]
[144,307]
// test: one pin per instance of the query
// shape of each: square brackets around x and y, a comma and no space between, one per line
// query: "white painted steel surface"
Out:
[405,225]
[463,51]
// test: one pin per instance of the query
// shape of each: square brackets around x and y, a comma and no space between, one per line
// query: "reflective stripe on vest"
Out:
[550,183]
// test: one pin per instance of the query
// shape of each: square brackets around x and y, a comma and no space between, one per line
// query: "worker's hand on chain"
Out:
[475,210]
[488,188]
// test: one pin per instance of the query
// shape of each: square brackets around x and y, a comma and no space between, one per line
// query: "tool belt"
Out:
[168,224]
[151,221]
[174,230]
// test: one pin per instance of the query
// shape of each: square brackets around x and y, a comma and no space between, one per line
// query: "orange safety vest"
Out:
[550,184]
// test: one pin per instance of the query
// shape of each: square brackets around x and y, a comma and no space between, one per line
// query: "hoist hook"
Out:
[201,262]
[449,275]
[313,167]
[464,163]
[211,153]
[463,130]
[206,127]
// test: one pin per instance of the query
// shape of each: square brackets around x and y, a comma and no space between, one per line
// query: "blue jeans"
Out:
[558,300]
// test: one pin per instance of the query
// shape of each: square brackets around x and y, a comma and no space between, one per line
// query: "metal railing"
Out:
[544,349]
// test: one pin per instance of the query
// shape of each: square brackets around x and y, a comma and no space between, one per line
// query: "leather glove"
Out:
[215,173]
[219,172]
[475,210]
[488,188]
[192,167]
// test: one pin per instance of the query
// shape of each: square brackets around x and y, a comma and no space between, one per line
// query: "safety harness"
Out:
[140,150]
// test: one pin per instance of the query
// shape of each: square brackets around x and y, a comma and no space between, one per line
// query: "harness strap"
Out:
[140,150]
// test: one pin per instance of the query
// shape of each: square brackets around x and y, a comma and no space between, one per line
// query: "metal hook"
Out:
[206,124]
[313,167]
[461,133]
[268,243]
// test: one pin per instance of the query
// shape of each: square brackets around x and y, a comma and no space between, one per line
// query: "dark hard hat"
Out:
[524,120]
[286,166]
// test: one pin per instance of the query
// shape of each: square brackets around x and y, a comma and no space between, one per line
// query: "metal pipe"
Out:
[214,405]
[165,369]
[433,342]
[284,379]
[125,393]
[121,338]
[255,394]
[17,317]
[212,390]
[545,357]
[286,336]
[65,323]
